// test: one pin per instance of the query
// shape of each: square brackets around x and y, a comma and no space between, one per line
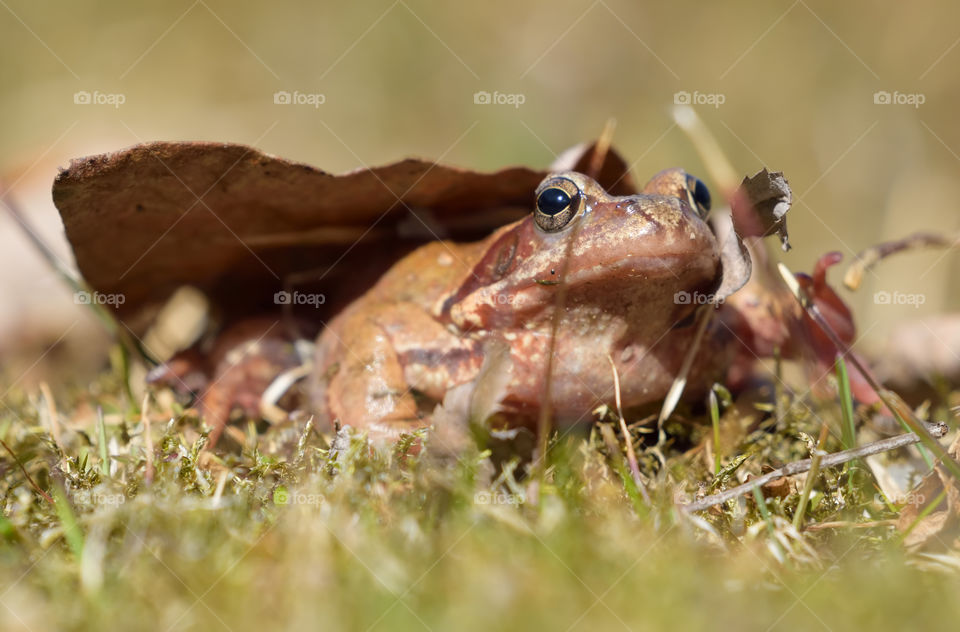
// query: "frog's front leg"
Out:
[376,365]
[361,381]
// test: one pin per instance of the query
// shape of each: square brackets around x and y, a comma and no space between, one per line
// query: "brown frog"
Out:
[617,275]
[632,269]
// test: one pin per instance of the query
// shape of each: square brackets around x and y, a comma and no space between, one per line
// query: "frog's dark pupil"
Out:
[701,194]
[553,201]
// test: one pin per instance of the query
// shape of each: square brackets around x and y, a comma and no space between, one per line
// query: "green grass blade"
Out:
[71,528]
[102,441]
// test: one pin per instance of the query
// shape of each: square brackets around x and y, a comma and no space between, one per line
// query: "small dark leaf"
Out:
[760,206]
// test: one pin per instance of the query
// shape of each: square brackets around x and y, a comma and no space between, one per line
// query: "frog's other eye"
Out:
[557,204]
[700,195]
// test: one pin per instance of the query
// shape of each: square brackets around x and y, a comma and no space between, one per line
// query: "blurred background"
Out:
[856,104]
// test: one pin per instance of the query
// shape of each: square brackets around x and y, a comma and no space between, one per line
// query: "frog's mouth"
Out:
[636,269]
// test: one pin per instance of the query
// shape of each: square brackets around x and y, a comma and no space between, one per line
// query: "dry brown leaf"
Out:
[237,223]
[941,526]
[760,206]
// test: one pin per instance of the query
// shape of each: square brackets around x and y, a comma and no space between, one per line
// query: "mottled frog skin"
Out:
[631,269]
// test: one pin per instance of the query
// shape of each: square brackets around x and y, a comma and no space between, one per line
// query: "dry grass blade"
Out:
[719,167]
[631,454]
[147,439]
[811,477]
[26,474]
[45,251]
[54,418]
[546,410]
[680,382]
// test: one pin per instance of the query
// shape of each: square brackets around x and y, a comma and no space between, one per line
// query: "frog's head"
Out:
[641,256]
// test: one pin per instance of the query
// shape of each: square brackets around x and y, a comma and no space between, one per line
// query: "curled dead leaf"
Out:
[238,223]
[936,528]
[760,206]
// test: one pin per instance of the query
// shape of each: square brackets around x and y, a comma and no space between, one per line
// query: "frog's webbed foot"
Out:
[185,373]
[241,372]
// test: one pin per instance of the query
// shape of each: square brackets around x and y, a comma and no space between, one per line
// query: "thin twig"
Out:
[799,467]
[873,255]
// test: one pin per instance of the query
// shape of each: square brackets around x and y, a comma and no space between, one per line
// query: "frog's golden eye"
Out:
[557,203]
[699,194]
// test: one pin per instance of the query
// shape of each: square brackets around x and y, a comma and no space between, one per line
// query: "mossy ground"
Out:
[289,533]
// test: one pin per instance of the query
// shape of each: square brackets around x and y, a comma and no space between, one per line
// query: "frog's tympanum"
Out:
[626,272]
